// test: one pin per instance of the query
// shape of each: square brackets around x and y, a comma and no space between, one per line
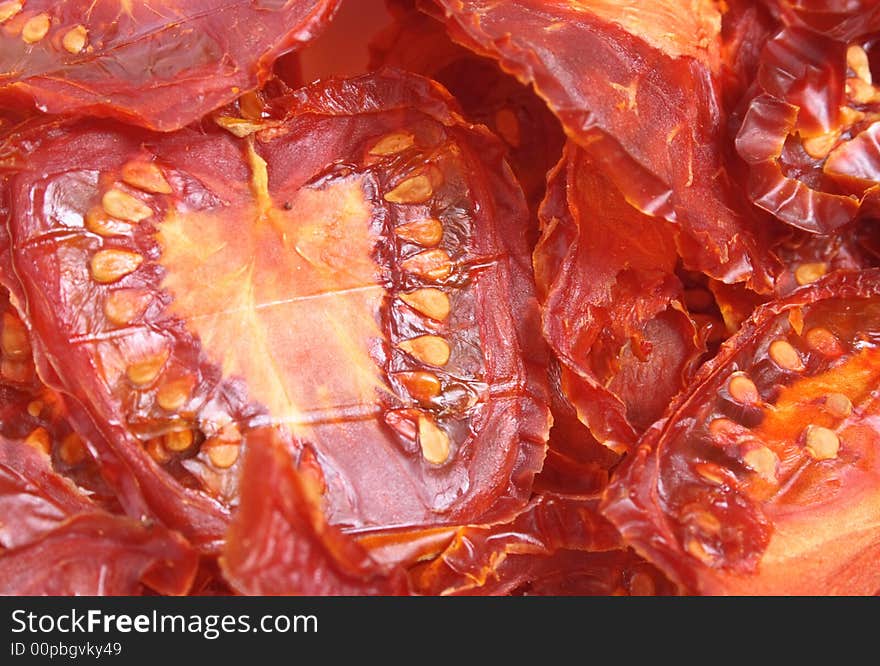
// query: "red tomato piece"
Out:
[763,476]
[606,67]
[159,65]
[809,134]
[614,309]
[839,19]
[353,267]
[54,540]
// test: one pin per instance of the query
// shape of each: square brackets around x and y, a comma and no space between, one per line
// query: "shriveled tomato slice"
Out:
[809,135]
[280,543]
[355,271]
[647,75]
[419,43]
[613,306]
[763,477]
[160,65]
[54,540]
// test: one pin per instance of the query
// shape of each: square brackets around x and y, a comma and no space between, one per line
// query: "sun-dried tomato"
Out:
[763,477]
[649,78]
[280,543]
[353,267]
[160,65]
[613,306]
[54,540]
[419,43]
[809,133]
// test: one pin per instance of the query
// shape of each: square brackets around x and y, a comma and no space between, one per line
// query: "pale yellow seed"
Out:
[857,61]
[838,405]
[98,222]
[145,176]
[785,356]
[9,9]
[16,371]
[743,390]
[72,450]
[809,273]
[706,521]
[415,190]
[124,306]
[762,460]
[112,265]
[35,28]
[14,339]
[819,146]
[421,385]
[710,472]
[432,303]
[223,450]
[699,551]
[40,440]
[146,371]
[822,443]
[430,265]
[179,440]
[173,395]
[35,408]
[433,440]
[157,451]
[427,232]
[824,342]
[75,39]
[430,349]
[124,206]
[393,144]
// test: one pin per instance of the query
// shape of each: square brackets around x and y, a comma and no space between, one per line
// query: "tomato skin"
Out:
[736,490]
[167,359]
[161,67]
[55,541]
[613,305]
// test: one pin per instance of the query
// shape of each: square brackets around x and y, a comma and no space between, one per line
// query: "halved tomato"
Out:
[763,478]
[352,268]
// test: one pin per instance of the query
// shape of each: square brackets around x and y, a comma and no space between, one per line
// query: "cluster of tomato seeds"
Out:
[540,298]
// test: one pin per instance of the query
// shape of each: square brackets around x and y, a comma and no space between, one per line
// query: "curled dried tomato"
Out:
[54,540]
[160,65]
[604,67]
[763,476]
[809,134]
[613,307]
[352,268]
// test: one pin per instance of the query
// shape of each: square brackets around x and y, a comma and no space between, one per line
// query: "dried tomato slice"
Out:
[160,65]
[763,477]
[809,135]
[356,271]
[280,543]
[605,67]
[54,540]
[613,307]
[419,43]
